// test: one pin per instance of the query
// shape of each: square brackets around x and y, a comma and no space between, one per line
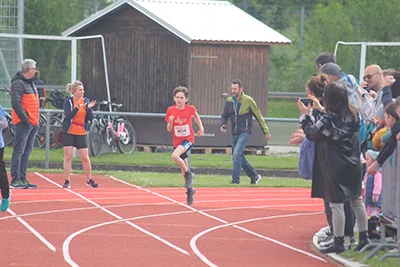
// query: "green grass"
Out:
[164,159]
[374,262]
[282,108]
[176,180]
[152,179]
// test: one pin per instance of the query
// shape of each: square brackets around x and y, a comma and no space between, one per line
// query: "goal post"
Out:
[363,53]
[73,41]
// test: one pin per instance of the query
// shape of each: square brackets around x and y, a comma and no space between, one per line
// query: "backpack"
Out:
[306,159]
[360,99]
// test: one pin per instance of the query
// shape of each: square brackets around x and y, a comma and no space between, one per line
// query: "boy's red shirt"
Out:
[182,124]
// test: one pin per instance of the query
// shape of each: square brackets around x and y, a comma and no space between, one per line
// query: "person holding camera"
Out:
[240,109]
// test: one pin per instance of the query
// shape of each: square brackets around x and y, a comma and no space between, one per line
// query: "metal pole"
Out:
[355,51]
[73,60]
[21,49]
[301,46]
[362,60]
[106,72]
[94,6]
[47,140]
[21,21]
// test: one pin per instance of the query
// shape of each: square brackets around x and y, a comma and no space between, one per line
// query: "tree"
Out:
[52,17]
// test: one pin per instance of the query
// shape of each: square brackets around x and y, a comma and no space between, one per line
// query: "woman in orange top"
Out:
[78,114]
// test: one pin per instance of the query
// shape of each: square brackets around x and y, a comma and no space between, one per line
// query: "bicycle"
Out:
[55,127]
[115,130]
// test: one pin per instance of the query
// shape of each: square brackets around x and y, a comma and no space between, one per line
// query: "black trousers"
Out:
[349,216]
[4,186]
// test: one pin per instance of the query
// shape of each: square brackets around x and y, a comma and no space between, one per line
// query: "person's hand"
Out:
[200,132]
[171,118]
[389,80]
[223,128]
[375,199]
[317,105]
[364,84]
[375,120]
[372,93]
[92,104]
[373,168]
[398,137]
[303,109]
[268,136]
[297,137]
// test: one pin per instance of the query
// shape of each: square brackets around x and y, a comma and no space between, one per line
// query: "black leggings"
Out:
[4,186]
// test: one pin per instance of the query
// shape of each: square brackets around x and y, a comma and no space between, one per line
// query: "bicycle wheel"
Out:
[127,144]
[55,129]
[95,138]
[40,139]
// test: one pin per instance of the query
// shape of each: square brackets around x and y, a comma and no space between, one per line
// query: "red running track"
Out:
[119,224]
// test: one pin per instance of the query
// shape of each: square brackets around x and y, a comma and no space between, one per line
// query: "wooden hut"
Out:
[153,46]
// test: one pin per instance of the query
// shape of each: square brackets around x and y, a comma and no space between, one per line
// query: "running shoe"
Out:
[17,184]
[189,176]
[5,203]
[67,184]
[26,182]
[190,193]
[256,179]
[92,183]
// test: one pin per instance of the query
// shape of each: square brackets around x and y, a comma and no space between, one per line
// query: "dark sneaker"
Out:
[67,184]
[235,182]
[189,176]
[336,247]
[25,182]
[327,242]
[5,203]
[333,249]
[92,183]
[190,193]
[256,179]
[17,184]
[362,244]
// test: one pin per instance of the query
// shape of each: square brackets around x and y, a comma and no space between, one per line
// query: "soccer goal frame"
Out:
[363,53]
[74,43]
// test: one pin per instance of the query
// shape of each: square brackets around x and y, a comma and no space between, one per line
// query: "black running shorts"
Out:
[78,141]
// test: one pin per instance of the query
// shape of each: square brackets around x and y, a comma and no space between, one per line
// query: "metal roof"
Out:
[197,20]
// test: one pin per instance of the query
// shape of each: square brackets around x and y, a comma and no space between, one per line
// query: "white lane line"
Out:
[81,209]
[118,217]
[33,231]
[154,204]
[69,239]
[155,197]
[67,242]
[199,211]
[234,224]
[142,194]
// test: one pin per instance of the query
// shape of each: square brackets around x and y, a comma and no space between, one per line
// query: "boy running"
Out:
[179,122]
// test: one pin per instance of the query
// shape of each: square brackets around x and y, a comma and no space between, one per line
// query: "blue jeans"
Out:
[24,138]
[239,143]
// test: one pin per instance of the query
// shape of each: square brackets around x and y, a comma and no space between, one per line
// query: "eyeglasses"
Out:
[369,76]
[33,68]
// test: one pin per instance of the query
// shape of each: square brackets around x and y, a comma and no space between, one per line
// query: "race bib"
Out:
[182,130]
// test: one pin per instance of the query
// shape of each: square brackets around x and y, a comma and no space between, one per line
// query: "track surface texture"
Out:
[119,224]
